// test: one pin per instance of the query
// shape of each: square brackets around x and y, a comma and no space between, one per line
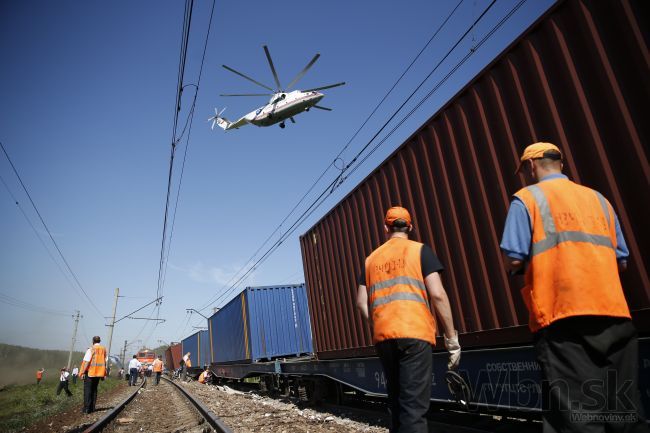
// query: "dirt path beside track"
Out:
[72,420]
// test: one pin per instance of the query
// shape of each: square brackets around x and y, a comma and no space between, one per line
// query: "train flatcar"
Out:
[576,77]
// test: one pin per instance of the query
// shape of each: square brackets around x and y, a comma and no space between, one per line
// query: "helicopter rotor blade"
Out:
[247,94]
[303,72]
[322,108]
[246,77]
[275,74]
[292,120]
[324,87]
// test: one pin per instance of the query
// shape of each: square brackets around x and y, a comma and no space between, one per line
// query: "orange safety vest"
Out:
[97,365]
[188,363]
[39,374]
[157,366]
[396,292]
[572,269]
[202,377]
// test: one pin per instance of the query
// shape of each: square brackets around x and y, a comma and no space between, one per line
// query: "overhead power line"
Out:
[74,276]
[176,138]
[38,235]
[351,166]
[187,20]
[18,303]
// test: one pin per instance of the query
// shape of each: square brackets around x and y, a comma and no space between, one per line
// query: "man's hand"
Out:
[453,347]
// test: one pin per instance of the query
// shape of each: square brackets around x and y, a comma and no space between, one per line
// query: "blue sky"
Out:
[86,112]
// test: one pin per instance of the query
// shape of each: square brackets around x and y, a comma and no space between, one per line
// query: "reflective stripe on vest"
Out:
[552,238]
[572,269]
[397,294]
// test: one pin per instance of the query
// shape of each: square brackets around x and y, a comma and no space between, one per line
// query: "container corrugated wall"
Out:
[262,323]
[173,356]
[278,321]
[229,335]
[191,344]
[204,349]
[578,78]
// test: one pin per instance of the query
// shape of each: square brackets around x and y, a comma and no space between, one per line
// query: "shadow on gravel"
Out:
[80,428]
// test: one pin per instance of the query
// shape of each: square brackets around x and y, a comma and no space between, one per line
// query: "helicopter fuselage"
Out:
[283,106]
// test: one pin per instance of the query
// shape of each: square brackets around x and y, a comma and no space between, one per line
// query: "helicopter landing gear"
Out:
[282,125]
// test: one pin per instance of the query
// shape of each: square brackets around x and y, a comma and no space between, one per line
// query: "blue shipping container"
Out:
[198,344]
[262,323]
[191,344]
[204,349]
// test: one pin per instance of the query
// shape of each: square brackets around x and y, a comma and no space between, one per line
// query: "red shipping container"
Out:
[578,78]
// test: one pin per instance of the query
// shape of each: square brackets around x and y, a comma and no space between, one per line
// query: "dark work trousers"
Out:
[133,376]
[184,373]
[407,363]
[63,385]
[90,393]
[158,373]
[74,379]
[590,367]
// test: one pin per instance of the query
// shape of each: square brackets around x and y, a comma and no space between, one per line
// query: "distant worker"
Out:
[149,370]
[120,373]
[567,240]
[392,296]
[63,382]
[134,369]
[185,364]
[205,375]
[39,375]
[158,368]
[93,369]
[75,373]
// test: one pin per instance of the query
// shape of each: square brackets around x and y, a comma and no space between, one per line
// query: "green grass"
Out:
[21,406]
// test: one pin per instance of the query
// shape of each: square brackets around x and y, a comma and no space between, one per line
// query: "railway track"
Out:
[163,408]
[368,414]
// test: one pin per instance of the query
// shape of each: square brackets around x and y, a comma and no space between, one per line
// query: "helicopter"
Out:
[283,104]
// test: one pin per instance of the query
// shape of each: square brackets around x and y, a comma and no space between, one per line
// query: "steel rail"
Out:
[103,422]
[210,416]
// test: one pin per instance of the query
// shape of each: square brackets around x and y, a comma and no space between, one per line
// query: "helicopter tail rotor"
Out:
[218,120]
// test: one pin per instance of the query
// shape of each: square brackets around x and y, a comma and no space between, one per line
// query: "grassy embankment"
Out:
[18,364]
[23,405]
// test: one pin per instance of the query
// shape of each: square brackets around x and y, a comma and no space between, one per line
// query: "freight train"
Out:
[577,77]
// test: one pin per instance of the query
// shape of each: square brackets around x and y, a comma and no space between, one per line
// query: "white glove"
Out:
[453,347]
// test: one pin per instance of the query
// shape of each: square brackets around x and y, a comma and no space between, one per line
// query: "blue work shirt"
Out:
[517,233]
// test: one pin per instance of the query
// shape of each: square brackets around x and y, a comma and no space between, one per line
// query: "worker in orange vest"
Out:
[39,376]
[205,375]
[92,370]
[400,281]
[567,240]
[158,368]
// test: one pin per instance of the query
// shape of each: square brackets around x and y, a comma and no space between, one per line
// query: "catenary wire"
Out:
[320,177]
[330,189]
[88,298]
[38,235]
[187,20]
[18,303]
[187,140]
